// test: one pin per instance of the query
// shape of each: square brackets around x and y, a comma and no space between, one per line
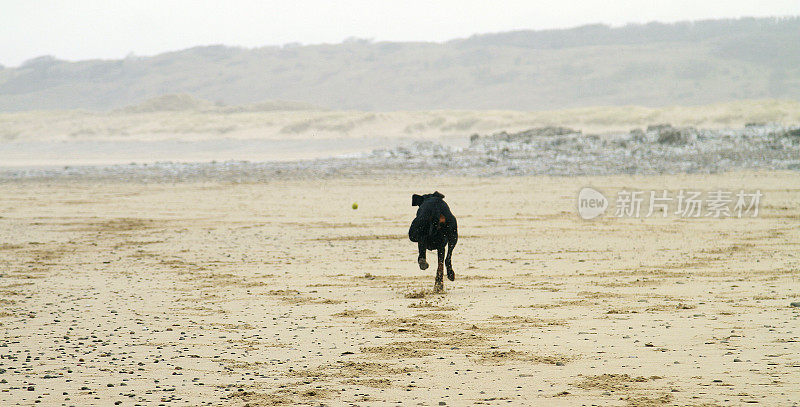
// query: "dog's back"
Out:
[432,210]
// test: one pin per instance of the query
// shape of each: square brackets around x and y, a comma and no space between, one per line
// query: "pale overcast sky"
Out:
[86,29]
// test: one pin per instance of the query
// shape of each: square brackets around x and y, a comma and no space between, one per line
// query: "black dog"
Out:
[433,229]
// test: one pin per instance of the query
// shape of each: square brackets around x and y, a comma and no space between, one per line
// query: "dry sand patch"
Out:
[222,294]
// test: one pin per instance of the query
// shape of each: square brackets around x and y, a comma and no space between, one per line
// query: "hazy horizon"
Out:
[90,29]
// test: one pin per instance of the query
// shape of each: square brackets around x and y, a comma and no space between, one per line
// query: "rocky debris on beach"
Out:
[658,149]
[527,136]
[562,151]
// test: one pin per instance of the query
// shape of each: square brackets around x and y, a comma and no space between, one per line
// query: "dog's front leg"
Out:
[439,285]
[423,264]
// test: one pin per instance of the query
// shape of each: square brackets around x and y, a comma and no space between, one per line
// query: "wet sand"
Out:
[279,293]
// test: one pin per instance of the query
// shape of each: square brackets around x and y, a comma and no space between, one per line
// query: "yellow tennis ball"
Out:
[355,206]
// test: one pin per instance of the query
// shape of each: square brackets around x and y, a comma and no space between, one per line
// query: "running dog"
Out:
[434,228]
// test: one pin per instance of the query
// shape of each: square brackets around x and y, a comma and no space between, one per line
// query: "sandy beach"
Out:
[279,293]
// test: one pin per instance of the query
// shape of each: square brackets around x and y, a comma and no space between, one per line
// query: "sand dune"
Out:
[279,293]
[195,125]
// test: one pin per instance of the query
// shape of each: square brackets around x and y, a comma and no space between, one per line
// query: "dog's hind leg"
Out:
[451,274]
[423,264]
[439,284]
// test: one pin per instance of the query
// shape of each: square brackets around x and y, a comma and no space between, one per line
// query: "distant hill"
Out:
[654,64]
[185,102]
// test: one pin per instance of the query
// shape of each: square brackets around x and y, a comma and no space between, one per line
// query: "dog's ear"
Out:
[416,200]
[437,194]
